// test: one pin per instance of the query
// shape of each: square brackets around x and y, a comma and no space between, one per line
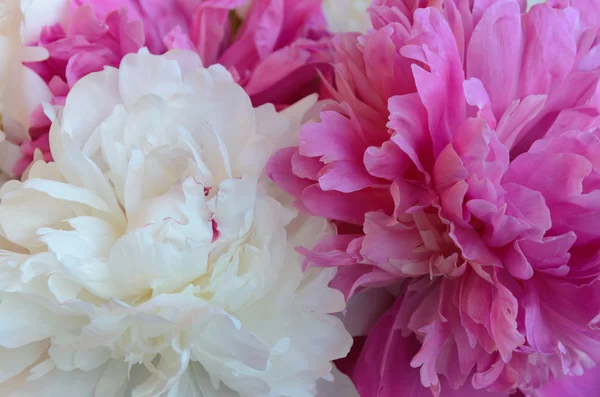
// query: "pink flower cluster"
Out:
[276,52]
[460,163]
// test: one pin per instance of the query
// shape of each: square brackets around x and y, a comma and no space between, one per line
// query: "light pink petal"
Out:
[516,117]
[345,176]
[393,246]
[503,316]
[550,53]
[476,95]
[440,88]
[408,118]
[84,22]
[177,38]
[331,251]
[493,53]
[334,138]
[305,167]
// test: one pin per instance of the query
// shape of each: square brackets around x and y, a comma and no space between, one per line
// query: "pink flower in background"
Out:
[87,45]
[158,16]
[461,166]
[275,51]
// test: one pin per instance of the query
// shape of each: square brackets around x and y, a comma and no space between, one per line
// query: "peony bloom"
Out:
[460,166]
[347,15]
[152,257]
[275,52]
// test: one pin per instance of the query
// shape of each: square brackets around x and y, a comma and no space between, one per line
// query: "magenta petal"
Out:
[586,385]
[350,207]
[209,28]
[383,367]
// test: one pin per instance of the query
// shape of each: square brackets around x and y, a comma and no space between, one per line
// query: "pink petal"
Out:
[347,207]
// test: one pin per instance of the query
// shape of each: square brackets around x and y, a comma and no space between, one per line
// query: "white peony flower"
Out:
[347,15]
[150,258]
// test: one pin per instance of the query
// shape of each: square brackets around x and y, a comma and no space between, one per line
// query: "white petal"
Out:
[195,382]
[113,380]
[233,208]
[188,61]
[23,322]
[142,74]
[63,288]
[40,13]
[347,15]
[341,386]
[67,192]
[19,103]
[23,212]
[81,171]
[89,102]
[55,384]
[14,361]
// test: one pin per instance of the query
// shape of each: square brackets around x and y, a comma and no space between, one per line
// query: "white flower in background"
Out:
[347,15]
[150,258]
[531,3]
[21,89]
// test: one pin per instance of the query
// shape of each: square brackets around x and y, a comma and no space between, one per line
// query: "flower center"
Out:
[444,256]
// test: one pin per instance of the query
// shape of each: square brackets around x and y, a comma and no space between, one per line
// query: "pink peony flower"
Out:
[158,16]
[87,45]
[274,52]
[461,165]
